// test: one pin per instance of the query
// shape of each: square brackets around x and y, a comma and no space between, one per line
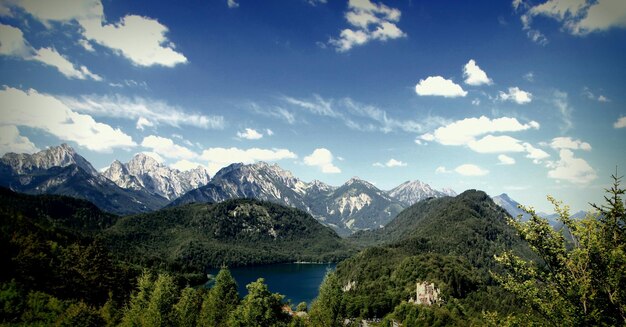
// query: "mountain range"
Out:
[512,207]
[143,185]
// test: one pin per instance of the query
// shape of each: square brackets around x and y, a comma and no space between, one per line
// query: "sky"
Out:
[526,98]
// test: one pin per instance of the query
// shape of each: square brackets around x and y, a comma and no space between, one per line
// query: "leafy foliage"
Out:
[580,282]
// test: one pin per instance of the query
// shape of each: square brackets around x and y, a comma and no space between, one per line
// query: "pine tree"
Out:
[220,301]
[187,309]
[259,308]
[328,308]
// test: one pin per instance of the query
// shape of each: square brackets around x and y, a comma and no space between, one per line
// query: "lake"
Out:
[296,281]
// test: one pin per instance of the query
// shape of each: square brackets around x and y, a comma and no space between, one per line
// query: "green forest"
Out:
[66,263]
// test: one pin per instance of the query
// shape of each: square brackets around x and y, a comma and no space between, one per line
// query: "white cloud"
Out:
[12,141]
[142,123]
[51,57]
[600,98]
[249,134]
[530,76]
[390,164]
[356,115]
[323,159]
[232,4]
[157,112]
[516,95]
[369,21]
[569,143]
[439,86]
[466,132]
[12,43]
[184,165]
[474,75]
[45,112]
[537,155]
[463,131]
[167,148]
[562,105]
[571,169]
[578,17]
[496,144]
[442,170]
[275,112]
[221,157]
[139,39]
[506,160]
[316,2]
[269,132]
[470,170]
[620,123]
[476,102]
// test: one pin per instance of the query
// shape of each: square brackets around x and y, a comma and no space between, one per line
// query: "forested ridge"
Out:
[70,264]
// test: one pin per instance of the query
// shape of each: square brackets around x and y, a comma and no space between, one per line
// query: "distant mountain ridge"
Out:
[143,184]
[512,207]
[144,172]
[60,170]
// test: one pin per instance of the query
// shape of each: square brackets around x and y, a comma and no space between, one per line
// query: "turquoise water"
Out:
[296,281]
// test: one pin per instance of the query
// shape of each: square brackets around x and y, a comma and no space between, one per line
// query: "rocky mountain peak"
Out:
[55,156]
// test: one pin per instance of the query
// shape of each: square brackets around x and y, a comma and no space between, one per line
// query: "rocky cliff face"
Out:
[144,172]
[411,192]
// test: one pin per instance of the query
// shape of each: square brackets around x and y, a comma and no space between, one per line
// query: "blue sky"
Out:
[520,97]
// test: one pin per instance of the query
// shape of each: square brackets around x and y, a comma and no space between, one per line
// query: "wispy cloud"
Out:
[355,115]
[150,111]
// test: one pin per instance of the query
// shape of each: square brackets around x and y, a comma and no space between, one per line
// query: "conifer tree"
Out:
[220,301]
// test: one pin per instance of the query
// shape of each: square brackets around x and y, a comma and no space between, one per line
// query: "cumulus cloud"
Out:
[249,134]
[12,141]
[506,160]
[464,131]
[155,111]
[221,157]
[496,144]
[167,148]
[12,43]
[467,132]
[569,143]
[142,40]
[579,17]
[516,95]
[620,123]
[537,155]
[470,170]
[442,170]
[571,169]
[369,21]
[33,109]
[323,159]
[474,75]
[439,86]
[390,163]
